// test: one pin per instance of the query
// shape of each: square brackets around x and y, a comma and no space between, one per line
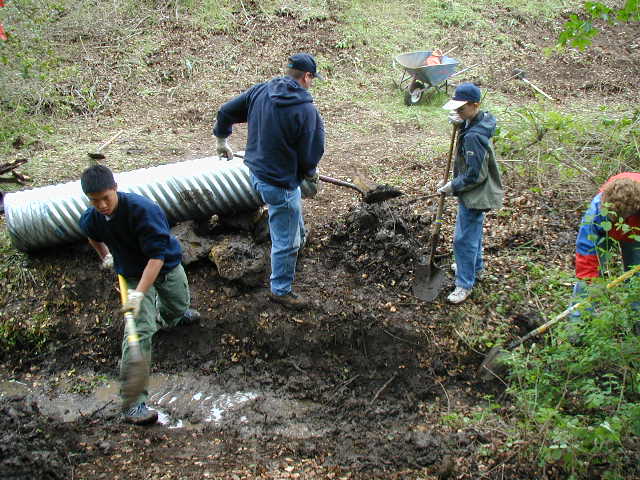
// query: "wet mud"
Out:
[353,384]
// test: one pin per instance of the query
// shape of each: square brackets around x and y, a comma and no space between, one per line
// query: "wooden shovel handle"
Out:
[435,233]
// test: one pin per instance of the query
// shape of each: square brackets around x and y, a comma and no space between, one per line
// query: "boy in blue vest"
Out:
[132,233]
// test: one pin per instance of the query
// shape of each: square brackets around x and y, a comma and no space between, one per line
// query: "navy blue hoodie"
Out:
[286,133]
[137,231]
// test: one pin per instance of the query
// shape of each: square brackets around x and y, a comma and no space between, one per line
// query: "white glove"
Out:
[455,119]
[107,262]
[446,189]
[134,300]
[224,149]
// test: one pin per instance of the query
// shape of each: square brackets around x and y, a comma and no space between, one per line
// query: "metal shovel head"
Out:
[493,364]
[428,282]
[381,193]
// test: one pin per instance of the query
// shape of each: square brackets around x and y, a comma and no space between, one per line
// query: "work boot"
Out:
[479,273]
[141,415]
[291,300]
[459,295]
[190,317]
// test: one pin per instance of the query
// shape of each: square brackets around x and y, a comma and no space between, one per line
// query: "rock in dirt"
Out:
[194,246]
[239,258]
[255,223]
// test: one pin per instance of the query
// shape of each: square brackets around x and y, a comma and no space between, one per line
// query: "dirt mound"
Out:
[31,446]
[381,240]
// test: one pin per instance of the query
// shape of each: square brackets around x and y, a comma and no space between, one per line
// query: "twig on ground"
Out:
[375,397]
[446,395]
[97,410]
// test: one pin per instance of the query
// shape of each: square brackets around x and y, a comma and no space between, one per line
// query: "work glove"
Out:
[455,119]
[107,262]
[447,189]
[134,300]
[224,149]
[310,185]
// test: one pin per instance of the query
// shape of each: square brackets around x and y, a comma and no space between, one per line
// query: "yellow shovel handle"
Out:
[132,335]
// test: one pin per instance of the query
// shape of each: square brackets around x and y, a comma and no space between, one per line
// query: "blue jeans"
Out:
[286,227]
[467,245]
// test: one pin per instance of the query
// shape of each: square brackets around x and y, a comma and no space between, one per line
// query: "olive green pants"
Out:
[162,307]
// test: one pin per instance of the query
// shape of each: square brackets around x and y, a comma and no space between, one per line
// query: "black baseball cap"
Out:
[305,63]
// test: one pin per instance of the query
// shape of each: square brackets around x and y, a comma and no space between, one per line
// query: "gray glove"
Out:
[455,119]
[446,189]
[310,185]
[107,262]
[224,149]
[134,300]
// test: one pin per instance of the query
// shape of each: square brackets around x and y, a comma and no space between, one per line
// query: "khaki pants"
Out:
[162,307]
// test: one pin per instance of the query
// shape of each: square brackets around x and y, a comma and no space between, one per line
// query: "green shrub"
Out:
[579,391]
[565,148]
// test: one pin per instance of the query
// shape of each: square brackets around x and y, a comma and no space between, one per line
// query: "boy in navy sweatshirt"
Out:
[132,233]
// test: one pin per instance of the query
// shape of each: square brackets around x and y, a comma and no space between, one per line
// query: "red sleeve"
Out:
[587,266]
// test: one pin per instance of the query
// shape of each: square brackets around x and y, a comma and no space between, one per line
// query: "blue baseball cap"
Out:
[465,93]
[305,63]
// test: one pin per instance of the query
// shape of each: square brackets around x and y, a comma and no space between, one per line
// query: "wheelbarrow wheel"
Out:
[413,93]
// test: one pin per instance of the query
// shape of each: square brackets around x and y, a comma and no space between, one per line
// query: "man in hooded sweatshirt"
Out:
[284,145]
[476,182]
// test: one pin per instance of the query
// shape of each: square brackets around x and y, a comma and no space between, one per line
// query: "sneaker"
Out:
[459,295]
[291,300]
[189,317]
[479,273]
[141,415]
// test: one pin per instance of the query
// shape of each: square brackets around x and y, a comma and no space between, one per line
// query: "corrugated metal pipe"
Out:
[189,190]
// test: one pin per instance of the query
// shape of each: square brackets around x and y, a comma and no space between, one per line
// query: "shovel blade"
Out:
[428,282]
[493,364]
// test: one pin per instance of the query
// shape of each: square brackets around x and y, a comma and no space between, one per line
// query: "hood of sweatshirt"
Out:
[285,91]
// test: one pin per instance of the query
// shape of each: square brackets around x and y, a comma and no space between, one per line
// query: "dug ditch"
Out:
[357,383]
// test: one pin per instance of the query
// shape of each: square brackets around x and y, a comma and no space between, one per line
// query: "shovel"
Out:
[521,75]
[135,375]
[495,358]
[429,278]
[97,155]
[377,194]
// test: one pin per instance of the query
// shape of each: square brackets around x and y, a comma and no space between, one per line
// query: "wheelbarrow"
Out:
[417,77]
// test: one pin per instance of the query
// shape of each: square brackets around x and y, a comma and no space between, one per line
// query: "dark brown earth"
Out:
[378,368]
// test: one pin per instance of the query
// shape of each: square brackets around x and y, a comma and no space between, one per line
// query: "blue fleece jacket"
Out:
[137,232]
[286,134]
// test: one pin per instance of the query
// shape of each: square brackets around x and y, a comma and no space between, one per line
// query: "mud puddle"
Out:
[182,401]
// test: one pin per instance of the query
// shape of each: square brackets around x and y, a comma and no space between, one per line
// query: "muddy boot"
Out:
[141,415]
[291,300]
[189,317]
